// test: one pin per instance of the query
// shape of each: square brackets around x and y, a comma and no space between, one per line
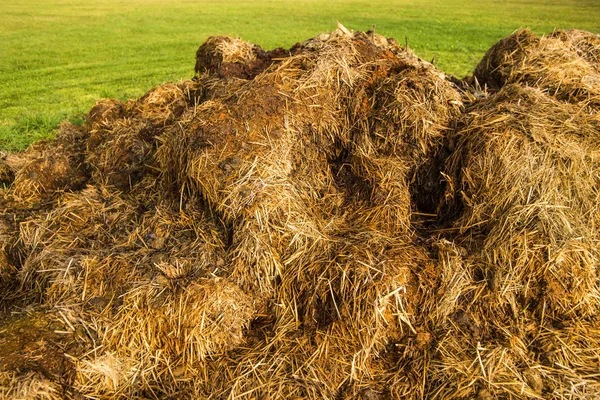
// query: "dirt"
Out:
[31,343]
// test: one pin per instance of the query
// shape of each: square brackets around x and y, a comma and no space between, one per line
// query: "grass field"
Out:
[57,57]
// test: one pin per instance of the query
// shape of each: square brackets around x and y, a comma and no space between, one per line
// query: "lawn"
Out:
[57,57]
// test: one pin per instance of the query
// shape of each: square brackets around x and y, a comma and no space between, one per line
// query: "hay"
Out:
[327,221]
[525,173]
[108,264]
[28,386]
[229,57]
[587,44]
[48,168]
[219,50]
[565,64]
[530,184]
[122,137]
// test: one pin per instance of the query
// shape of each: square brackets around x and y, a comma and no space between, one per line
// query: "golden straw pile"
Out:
[339,220]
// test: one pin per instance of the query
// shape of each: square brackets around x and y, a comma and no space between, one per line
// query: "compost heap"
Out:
[337,220]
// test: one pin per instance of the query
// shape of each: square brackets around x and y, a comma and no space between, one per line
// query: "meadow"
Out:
[58,57]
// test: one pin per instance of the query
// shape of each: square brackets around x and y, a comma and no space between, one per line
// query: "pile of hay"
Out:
[565,64]
[336,220]
[524,203]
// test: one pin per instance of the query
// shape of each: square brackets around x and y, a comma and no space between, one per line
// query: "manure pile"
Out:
[339,220]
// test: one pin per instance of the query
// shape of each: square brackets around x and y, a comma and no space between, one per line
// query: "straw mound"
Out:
[122,137]
[526,174]
[586,44]
[266,230]
[530,188]
[49,167]
[232,57]
[565,64]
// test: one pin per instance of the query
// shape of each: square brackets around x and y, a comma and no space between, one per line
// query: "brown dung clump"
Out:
[336,220]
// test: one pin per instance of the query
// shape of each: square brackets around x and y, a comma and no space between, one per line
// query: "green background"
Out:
[58,57]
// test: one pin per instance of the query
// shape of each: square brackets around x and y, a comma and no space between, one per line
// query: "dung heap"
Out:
[335,220]
[565,64]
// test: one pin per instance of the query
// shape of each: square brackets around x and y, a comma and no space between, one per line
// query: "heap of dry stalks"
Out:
[328,221]
[565,64]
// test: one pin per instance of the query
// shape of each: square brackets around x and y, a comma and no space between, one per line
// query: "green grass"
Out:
[57,57]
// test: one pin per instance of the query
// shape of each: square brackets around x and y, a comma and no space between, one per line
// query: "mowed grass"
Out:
[58,57]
